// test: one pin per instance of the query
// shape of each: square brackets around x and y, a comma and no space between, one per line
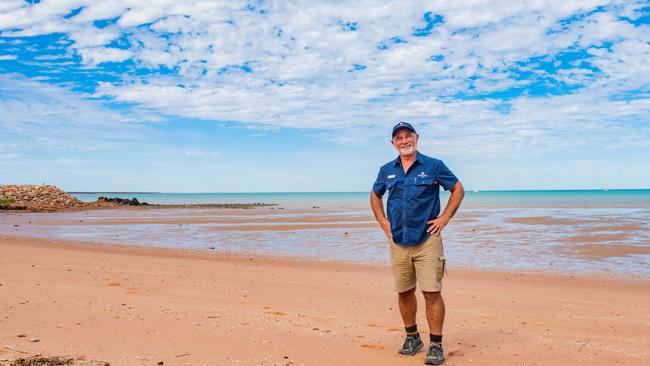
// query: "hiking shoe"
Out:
[435,355]
[412,344]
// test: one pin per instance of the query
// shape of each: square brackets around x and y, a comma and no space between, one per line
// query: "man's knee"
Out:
[431,296]
[407,294]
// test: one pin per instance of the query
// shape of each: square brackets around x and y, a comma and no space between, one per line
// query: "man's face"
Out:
[405,142]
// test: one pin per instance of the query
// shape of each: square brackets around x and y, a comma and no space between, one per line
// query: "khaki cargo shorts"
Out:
[423,263]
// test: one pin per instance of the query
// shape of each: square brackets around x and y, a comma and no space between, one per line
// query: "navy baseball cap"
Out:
[403,125]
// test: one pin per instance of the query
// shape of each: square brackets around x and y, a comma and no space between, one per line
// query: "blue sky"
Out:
[190,96]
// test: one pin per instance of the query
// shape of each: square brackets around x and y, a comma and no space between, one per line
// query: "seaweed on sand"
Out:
[42,361]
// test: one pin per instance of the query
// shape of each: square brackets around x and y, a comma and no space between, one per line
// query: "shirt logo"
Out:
[423,175]
[392,176]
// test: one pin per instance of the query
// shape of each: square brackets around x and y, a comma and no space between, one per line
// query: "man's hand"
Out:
[385,226]
[437,225]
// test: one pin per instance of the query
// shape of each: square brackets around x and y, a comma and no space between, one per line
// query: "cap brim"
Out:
[402,128]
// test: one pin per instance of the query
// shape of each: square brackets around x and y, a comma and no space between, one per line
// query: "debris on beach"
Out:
[42,361]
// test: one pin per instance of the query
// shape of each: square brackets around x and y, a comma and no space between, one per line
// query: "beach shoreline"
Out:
[610,243]
[127,305]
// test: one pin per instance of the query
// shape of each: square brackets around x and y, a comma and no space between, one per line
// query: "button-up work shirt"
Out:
[414,196]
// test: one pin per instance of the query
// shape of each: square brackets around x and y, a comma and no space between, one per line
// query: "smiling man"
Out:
[413,228]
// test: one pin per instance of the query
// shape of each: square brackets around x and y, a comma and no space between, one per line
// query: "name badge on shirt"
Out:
[392,176]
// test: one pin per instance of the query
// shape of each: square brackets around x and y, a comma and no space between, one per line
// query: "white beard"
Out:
[407,150]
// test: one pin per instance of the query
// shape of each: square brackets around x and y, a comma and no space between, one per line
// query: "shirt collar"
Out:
[418,158]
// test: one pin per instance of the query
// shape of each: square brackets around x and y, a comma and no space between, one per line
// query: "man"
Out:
[413,228]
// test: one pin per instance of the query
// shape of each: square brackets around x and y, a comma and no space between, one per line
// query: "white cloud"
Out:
[68,162]
[198,153]
[302,61]
[8,156]
[98,55]
[44,116]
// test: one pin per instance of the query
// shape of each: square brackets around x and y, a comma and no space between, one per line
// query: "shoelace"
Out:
[437,349]
[410,342]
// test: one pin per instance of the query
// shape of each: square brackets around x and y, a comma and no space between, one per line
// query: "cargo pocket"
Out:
[441,268]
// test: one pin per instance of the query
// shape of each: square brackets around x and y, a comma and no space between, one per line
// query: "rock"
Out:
[34,340]
[122,201]
[36,197]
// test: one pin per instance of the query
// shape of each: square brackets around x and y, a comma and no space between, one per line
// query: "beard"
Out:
[406,150]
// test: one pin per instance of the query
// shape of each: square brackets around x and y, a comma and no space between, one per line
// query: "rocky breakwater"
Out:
[121,201]
[36,198]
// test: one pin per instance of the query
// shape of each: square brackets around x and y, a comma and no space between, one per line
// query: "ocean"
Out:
[521,198]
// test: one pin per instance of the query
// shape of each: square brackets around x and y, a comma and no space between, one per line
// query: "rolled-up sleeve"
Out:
[445,177]
[379,187]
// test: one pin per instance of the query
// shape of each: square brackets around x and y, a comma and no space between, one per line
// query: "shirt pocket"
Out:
[424,186]
[420,181]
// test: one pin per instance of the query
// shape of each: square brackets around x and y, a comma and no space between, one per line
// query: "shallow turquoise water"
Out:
[557,198]
[544,231]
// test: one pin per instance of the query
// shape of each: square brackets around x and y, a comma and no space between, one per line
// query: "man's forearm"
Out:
[377,207]
[457,195]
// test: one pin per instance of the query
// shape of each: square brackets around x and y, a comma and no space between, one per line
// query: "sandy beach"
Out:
[211,183]
[140,306]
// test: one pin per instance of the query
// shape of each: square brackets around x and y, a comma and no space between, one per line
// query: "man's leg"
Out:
[429,262]
[405,281]
[408,306]
[435,307]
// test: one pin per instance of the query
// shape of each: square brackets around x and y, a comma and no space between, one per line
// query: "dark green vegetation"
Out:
[6,201]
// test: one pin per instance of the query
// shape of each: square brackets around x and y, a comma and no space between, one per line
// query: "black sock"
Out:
[412,329]
[435,338]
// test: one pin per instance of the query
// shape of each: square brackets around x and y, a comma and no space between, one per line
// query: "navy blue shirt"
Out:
[414,196]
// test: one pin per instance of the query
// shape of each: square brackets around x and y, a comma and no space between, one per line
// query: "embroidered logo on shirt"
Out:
[423,175]
[391,176]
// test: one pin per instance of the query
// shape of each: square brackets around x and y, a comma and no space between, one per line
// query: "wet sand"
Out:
[139,306]
[584,241]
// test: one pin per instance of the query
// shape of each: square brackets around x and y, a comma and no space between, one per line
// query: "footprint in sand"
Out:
[456,353]
[460,352]
[373,346]
[276,313]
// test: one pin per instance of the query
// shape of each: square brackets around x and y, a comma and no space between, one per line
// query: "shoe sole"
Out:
[417,349]
[427,362]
